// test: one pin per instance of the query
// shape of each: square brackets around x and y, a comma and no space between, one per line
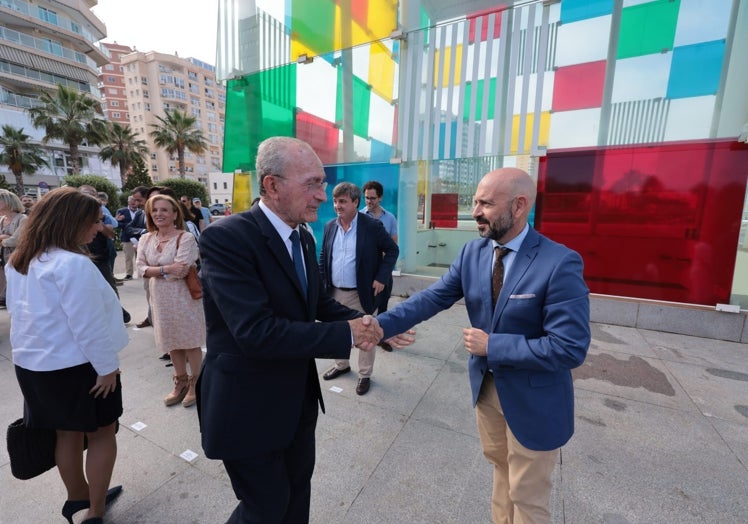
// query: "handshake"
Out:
[367,334]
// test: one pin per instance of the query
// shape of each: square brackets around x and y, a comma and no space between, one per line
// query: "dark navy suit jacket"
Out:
[376,255]
[538,331]
[262,336]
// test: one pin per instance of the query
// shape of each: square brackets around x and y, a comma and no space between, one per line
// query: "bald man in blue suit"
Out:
[522,348]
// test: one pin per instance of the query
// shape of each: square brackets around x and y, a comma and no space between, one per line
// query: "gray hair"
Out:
[347,189]
[272,155]
[11,201]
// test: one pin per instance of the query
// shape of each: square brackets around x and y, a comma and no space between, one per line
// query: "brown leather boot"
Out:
[181,386]
[190,398]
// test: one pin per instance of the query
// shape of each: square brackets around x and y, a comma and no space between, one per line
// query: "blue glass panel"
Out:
[695,69]
[385,173]
[381,152]
[574,10]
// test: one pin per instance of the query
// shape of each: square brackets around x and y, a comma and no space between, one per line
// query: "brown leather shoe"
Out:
[146,323]
[334,372]
[363,386]
[385,346]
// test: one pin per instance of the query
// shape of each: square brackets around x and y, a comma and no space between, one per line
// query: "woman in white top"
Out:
[66,330]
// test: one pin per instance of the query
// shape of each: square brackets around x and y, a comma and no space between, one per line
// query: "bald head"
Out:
[503,201]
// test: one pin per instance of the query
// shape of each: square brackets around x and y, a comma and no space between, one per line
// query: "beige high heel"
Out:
[191,397]
[181,387]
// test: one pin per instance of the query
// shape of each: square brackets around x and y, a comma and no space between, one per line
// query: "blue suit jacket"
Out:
[538,331]
[262,336]
[376,255]
[122,224]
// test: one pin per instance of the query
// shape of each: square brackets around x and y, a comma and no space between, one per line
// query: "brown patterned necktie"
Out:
[497,279]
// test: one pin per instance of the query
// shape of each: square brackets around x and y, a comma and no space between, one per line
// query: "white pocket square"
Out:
[523,297]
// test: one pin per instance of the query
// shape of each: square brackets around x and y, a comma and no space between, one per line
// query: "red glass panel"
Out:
[483,14]
[359,12]
[444,210]
[320,134]
[579,86]
[657,222]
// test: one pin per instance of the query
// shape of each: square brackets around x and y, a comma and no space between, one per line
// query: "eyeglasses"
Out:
[371,198]
[310,186]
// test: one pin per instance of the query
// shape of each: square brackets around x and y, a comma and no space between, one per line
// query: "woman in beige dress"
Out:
[11,224]
[165,254]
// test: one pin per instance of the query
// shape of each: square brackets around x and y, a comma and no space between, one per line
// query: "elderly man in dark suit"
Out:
[258,392]
[356,262]
[529,326]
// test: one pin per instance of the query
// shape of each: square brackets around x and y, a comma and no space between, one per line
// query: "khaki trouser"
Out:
[365,358]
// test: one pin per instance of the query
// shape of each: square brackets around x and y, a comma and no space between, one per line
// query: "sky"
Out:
[185,26]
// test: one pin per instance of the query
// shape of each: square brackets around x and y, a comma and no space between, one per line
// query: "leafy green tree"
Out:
[186,186]
[175,133]
[122,148]
[100,183]
[71,117]
[21,156]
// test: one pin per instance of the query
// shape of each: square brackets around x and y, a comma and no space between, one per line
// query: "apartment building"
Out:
[112,84]
[42,44]
[157,82]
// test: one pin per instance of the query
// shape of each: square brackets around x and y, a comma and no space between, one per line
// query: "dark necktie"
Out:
[497,280]
[298,261]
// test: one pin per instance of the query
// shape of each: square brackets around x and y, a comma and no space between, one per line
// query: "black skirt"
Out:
[61,400]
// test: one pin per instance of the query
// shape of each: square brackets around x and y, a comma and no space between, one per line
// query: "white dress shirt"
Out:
[63,314]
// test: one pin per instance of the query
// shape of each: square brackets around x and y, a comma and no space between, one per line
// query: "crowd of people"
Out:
[269,308]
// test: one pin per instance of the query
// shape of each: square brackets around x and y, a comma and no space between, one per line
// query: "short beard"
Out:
[498,229]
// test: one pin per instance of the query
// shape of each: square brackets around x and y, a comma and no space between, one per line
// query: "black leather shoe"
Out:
[146,323]
[363,386]
[334,372]
[385,346]
[128,277]
[72,507]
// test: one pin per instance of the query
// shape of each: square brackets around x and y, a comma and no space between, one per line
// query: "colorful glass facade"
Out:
[626,111]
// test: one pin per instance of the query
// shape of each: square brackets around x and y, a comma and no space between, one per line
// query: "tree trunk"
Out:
[18,173]
[180,156]
[123,173]
[74,157]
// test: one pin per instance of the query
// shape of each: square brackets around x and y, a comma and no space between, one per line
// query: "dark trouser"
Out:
[275,487]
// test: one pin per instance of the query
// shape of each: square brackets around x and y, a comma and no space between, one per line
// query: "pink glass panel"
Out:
[579,86]
[472,17]
[658,222]
[320,134]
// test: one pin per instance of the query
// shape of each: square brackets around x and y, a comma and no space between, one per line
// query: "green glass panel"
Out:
[478,113]
[313,24]
[361,105]
[258,106]
[648,28]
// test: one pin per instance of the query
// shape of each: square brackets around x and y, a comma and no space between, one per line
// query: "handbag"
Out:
[192,280]
[31,450]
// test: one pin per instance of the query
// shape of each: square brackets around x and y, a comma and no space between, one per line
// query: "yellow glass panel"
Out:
[382,19]
[545,127]
[297,48]
[241,199]
[381,71]
[447,78]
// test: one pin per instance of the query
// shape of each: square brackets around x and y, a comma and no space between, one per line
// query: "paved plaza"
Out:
[661,437]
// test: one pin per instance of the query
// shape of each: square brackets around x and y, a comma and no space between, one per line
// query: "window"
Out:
[208,81]
[153,156]
[144,80]
[192,75]
[194,88]
[154,167]
[195,111]
[147,107]
[111,79]
[209,92]
[114,103]
[109,67]
[129,80]
[47,15]
[179,82]
[225,185]
[146,94]
[215,187]
[116,115]
[111,91]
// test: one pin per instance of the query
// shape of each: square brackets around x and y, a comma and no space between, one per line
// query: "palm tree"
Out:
[19,154]
[70,116]
[176,132]
[123,146]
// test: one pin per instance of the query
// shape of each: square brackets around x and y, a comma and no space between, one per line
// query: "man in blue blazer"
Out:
[258,393]
[522,348]
[356,262]
[124,216]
